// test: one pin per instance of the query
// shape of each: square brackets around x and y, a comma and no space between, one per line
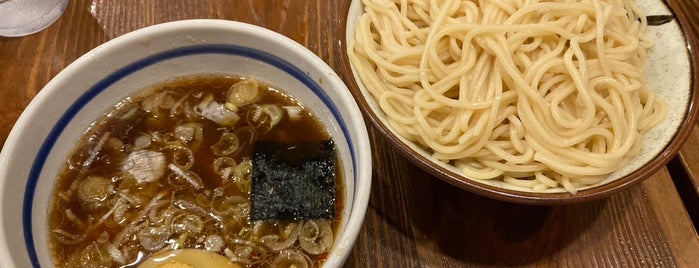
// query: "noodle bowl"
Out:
[540,95]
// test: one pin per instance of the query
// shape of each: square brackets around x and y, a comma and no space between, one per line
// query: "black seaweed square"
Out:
[293,181]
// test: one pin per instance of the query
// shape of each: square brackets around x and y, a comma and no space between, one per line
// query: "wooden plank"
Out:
[686,176]
[673,218]
[417,220]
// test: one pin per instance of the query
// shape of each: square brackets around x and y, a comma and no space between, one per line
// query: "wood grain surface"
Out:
[414,219]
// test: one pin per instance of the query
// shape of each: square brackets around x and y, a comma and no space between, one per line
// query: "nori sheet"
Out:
[292,181]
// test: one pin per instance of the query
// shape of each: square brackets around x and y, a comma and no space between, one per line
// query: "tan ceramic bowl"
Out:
[668,71]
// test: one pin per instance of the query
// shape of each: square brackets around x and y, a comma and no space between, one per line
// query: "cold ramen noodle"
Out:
[166,179]
[541,95]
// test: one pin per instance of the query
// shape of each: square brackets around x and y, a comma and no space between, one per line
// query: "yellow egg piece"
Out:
[175,264]
[187,258]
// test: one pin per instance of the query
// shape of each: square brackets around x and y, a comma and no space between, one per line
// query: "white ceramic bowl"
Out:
[52,123]
[668,72]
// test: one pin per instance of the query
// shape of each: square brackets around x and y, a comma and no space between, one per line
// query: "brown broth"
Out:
[97,224]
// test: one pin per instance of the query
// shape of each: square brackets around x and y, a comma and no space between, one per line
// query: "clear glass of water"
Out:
[24,17]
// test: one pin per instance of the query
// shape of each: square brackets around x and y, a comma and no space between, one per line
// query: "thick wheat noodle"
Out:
[540,95]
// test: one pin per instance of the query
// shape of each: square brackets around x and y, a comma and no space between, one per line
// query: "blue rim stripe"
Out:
[103,84]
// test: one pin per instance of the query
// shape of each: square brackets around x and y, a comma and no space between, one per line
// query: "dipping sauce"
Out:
[170,169]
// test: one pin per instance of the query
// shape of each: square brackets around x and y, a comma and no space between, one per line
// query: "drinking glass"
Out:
[24,17]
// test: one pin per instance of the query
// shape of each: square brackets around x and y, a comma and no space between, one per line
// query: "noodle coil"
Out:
[537,94]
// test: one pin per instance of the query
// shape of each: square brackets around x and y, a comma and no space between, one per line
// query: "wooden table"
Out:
[414,219]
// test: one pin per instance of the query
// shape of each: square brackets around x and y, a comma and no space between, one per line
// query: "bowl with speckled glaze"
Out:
[669,72]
